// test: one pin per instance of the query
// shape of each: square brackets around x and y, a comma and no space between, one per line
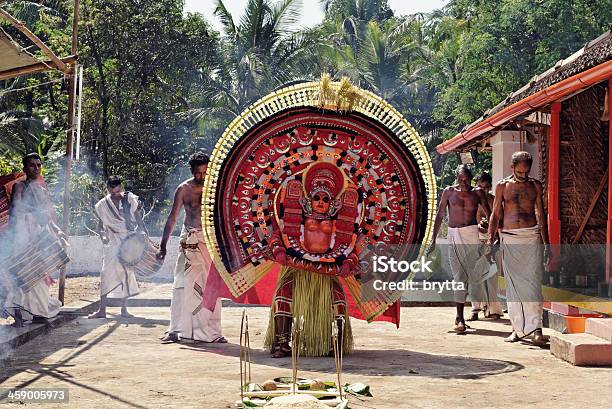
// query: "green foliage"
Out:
[144,64]
[9,163]
[160,84]
[33,109]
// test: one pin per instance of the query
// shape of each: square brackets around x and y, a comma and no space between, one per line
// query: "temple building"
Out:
[562,117]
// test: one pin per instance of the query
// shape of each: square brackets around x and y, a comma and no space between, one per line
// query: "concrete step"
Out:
[555,320]
[581,349]
[600,327]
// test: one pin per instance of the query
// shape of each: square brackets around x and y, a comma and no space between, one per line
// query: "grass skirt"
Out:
[312,299]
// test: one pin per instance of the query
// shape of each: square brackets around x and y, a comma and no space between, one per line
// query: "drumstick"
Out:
[94,232]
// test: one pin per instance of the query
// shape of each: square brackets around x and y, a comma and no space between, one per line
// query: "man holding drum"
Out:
[189,320]
[119,216]
[36,247]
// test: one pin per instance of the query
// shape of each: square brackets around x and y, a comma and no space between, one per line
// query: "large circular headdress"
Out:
[389,186]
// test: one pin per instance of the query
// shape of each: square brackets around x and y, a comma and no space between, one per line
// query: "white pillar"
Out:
[504,144]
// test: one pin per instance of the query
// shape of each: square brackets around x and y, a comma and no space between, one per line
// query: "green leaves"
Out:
[358,389]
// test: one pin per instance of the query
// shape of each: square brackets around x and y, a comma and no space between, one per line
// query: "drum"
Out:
[43,257]
[139,252]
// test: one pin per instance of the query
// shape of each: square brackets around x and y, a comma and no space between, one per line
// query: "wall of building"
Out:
[85,254]
[504,144]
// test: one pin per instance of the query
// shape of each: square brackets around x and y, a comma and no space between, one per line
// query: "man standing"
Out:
[189,319]
[491,307]
[462,201]
[118,215]
[31,213]
[518,208]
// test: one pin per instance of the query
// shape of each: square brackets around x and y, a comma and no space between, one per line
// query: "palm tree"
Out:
[23,127]
[257,54]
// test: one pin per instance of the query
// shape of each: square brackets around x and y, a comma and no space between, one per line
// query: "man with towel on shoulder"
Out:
[524,239]
[119,215]
[31,213]
[462,201]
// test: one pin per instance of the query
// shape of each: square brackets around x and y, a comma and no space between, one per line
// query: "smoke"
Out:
[87,187]
[13,239]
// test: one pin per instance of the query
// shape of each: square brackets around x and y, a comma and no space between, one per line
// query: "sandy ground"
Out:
[79,288]
[116,363]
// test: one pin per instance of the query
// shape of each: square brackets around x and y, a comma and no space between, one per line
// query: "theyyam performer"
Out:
[301,187]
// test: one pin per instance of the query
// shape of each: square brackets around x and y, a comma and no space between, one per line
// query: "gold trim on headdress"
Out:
[342,96]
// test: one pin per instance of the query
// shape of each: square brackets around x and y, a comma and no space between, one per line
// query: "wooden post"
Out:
[71,85]
[609,226]
[554,219]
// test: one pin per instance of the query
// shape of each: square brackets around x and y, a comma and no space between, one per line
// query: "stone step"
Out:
[581,349]
[600,327]
[563,309]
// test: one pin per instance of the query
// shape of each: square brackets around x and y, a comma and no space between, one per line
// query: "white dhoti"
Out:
[489,287]
[522,258]
[35,302]
[188,317]
[116,280]
[464,253]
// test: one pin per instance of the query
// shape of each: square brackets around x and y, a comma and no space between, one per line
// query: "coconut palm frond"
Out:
[285,15]
[19,135]
[30,12]
[226,19]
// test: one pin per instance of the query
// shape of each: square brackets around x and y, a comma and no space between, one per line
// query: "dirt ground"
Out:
[77,289]
[118,363]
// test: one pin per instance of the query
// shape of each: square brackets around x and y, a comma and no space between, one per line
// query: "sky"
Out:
[312,13]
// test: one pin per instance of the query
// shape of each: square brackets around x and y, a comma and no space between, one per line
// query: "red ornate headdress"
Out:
[307,138]
[324,177]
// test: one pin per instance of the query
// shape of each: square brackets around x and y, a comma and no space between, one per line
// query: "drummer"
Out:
[31,212]
[119,213]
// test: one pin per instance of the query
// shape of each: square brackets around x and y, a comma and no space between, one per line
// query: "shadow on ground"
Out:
[38,350]
[379,362]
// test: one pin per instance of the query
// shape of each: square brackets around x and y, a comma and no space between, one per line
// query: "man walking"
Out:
[189,319]
[518,208]
[462,201]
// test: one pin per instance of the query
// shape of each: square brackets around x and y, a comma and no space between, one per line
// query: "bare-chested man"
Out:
[491,307]
[518,206]
[30,214]
[189,320]
[462,201]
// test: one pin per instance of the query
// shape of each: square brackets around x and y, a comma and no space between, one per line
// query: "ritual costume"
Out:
[116,279]
[35,253]
[522,258]
[188,316]
[300,188]
[6,185]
